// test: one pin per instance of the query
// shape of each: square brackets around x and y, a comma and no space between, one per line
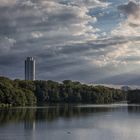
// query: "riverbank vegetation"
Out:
[23,93]
[133,96]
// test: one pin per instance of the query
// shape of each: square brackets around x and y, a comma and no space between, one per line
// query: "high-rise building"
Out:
[30,68]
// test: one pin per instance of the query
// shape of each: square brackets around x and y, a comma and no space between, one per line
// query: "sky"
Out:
[91,41]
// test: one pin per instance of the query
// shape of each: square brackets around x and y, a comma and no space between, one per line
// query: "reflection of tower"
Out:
[29,125]
[29,128]
[30,68]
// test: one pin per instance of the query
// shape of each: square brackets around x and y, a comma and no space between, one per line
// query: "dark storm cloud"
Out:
[131,8]
[9,60]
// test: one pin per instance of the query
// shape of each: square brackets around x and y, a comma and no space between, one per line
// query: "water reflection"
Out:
[77,122]
[29,125]
[53,112]
[48,113]
[134,109]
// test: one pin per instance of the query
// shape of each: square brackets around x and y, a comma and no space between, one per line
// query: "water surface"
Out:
[71,122]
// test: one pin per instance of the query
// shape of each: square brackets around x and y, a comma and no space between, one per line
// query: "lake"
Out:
[71,122]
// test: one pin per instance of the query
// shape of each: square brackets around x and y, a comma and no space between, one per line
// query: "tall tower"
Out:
[30,68]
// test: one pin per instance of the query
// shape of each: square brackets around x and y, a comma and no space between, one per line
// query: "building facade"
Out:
[30,68]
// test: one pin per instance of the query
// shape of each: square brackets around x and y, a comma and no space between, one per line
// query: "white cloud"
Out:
[129,30]
[54,20]
[36,34]
[90,3]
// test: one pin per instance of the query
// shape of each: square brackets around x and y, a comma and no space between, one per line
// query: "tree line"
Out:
[133,96]
[22,93]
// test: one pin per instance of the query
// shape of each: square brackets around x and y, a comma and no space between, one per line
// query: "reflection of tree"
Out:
[16,115]
[48,113]
[135,109]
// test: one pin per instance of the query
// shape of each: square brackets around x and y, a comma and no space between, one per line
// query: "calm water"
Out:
[71,122]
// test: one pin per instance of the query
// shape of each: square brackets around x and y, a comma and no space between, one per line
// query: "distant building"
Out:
[125,88]
[30,68]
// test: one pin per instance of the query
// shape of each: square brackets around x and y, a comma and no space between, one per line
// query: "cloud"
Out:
[50,30]
[51,19]
[5,3]
[128,29]
[132,10]
[6,44]
[36,34]
[65,39]
[90,3]
[130,26]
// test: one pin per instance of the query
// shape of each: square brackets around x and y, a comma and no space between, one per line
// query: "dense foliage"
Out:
[20,93]
[17,92]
